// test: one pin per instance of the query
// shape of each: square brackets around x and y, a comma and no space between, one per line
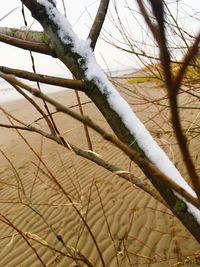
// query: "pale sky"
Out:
[80,14]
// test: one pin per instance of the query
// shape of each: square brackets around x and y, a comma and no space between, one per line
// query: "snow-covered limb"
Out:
[78,56]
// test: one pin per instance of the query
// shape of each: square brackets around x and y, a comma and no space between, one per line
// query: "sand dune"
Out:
[130,227]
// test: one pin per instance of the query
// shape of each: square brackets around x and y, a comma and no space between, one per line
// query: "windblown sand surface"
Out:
[130,227]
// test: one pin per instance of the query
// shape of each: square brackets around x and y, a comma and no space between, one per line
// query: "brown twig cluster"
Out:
[56,48]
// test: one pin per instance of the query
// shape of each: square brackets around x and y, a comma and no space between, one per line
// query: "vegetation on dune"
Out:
[192,73]
[145,79]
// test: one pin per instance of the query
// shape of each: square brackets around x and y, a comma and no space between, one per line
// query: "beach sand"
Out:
[130,227]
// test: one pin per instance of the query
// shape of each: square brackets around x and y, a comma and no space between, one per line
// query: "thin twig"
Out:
[107,223]
[10,12]
[84,125]
[8,222]
[80,257]
[34,104]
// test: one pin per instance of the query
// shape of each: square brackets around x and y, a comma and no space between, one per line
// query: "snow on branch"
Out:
[93,73]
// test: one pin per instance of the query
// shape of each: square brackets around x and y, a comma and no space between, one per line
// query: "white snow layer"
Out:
[93,72]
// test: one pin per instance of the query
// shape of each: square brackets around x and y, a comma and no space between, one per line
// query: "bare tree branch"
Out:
[27,45]
[26,34]
[67,83]
[98,22]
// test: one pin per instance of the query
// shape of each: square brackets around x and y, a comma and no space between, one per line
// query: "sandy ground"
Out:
[130,227]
